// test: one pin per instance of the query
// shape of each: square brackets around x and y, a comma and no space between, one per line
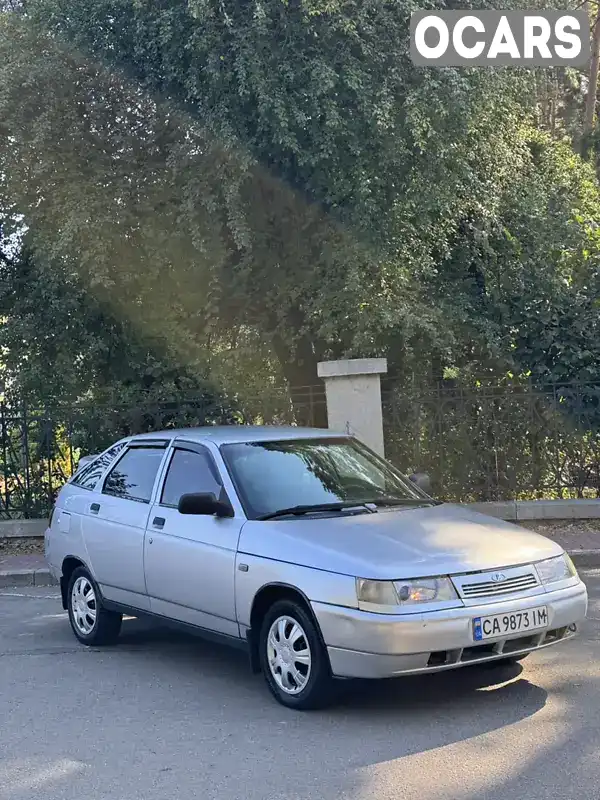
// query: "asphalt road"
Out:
[166,717]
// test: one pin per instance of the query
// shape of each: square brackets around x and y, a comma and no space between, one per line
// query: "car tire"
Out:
[92,625]
[293,657]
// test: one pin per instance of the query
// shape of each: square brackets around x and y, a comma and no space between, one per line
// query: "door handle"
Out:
[95,508]
[158,522]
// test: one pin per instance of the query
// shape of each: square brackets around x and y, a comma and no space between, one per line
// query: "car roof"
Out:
[229,434]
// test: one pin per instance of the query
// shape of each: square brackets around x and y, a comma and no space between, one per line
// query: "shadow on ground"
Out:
[171,715]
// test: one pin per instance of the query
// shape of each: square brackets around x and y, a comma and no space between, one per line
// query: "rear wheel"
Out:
[91,624]
[293,658]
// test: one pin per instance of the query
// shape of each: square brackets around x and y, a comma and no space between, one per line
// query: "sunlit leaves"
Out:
[281,169]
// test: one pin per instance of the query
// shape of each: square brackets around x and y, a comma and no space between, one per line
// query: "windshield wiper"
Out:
[316,507]
[404,501]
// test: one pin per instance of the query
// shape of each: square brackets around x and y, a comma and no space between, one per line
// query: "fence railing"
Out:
[477,442]
[40,448]
[498,442]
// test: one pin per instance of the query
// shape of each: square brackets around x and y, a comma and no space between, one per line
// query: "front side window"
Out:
[134,474]
[189,472]
[271,476]
[92,472]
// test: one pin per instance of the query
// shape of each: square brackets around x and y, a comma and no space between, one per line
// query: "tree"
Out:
[592,88]
[280,163]
[280,172]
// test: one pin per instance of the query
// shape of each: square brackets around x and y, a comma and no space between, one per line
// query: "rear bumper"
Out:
[55,570]
[365,645]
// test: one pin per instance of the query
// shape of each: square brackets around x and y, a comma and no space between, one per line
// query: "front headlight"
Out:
[389,597]
[425,590]
[559,568]
[379,593]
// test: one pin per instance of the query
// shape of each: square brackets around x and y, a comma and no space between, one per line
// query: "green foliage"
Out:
[258,150]
[279,175]
[525,280]
[63,347]
[497,440]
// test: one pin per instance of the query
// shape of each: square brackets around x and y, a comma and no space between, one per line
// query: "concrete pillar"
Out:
[353,391]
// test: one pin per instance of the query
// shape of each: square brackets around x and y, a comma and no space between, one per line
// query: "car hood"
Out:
[397,543]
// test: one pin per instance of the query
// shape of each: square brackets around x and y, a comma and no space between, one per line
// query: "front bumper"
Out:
[365,645]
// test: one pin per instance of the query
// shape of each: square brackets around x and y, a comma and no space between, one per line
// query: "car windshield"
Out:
[278,475]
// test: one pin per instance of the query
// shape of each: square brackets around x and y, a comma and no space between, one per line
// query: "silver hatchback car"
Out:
[309,550]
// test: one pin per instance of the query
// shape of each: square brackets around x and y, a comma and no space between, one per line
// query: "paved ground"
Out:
[164,717]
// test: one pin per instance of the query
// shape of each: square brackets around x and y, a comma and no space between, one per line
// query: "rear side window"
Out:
[133,476]
[189,472]
[91,474]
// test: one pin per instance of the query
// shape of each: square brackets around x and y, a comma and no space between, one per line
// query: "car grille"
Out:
[486,652]
[489,588]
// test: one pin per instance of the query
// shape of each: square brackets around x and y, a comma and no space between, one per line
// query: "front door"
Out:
[115,523]
[190,560]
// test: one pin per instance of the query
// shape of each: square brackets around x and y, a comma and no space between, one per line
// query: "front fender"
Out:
[254,572]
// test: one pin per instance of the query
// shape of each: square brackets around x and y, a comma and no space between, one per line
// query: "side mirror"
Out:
[204,504]
[422,480]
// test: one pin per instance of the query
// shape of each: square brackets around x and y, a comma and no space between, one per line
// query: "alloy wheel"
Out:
[84,606]
[288,655]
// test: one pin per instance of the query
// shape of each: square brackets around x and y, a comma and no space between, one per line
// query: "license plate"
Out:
[500,625]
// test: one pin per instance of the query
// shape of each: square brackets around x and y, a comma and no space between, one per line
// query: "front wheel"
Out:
[91,624]
[293,658]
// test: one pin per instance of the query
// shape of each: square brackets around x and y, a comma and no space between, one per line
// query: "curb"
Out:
[43,577]
[26,577]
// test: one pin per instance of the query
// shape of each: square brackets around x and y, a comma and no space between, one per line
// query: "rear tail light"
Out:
[51,517]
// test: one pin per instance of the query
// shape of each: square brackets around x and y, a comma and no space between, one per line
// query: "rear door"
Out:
[115,523]
[190,560]
[64,537]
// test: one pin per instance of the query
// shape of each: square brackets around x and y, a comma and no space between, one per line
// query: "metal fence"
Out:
[494,442]
[40,448]
[481,442]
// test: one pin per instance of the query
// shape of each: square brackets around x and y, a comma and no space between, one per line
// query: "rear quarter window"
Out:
[91,473]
